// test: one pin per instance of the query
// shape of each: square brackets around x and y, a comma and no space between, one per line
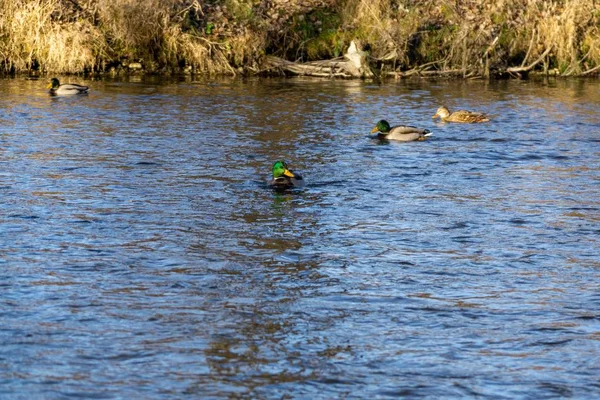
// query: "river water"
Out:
[142,254]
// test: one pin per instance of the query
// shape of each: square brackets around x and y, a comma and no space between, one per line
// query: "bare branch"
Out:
[532,65]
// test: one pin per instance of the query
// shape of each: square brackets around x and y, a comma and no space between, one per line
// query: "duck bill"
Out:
[435,116]
[376,129]
[289,173]
[49,86]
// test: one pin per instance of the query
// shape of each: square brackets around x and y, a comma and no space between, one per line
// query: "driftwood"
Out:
[528,68]
[590,71]
[427,73]
[352,65]
[424,70]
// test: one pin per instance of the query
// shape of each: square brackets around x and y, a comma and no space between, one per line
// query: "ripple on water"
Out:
[143,255]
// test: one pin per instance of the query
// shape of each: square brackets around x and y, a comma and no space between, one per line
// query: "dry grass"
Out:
[27,38]
[476,36]
[59,36]
[473,37]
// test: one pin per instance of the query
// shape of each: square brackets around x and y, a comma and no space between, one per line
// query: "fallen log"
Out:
[424,71]
[518,70]
[590,71]
[352,65]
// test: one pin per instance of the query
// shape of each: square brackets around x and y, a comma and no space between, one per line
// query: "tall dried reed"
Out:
[69,36]
[474,36]
[29,37]
[471,37]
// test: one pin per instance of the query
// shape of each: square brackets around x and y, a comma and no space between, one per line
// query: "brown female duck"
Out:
[463,116]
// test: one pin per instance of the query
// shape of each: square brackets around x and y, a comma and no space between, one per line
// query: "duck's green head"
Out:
[280,169]
[382,126]
[54,83]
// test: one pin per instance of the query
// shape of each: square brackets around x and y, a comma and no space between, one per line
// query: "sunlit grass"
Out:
[483,34]
[224,37]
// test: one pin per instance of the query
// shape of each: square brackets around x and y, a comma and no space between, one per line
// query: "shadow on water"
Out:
[143,252]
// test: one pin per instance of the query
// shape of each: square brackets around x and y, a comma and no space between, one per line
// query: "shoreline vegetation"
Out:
[335,38]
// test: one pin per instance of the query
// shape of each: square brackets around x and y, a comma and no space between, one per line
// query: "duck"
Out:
[463,116]
[68,88]
[405,133]
[284,178]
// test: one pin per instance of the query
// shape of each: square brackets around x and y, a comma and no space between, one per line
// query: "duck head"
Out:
[382,126]
[442,113]
[280,169]
[54,84]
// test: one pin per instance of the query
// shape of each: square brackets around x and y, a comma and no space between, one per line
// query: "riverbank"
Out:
[238,37]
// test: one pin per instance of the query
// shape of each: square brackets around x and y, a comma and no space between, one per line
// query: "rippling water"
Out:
[143,256]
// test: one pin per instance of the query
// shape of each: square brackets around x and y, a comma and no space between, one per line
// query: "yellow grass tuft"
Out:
[470,37]
[473,36]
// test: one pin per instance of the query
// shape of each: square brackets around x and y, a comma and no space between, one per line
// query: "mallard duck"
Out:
[459,116]
[68,88]
[283,178]
[404,133]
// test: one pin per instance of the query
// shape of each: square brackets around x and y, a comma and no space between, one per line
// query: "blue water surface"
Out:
[142,254]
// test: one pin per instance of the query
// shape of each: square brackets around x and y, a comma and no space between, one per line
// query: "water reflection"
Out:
[142,250]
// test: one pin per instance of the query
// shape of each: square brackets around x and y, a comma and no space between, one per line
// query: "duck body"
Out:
[284,178]
[462,116]
[56,89]
[404,133]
